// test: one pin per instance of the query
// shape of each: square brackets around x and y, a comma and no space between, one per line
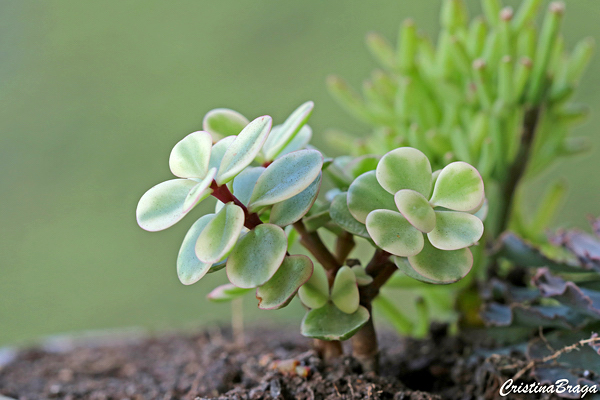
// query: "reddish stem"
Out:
[224,195]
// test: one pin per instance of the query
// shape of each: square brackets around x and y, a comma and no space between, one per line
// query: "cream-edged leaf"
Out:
[189,268]
[199,192]
[257,256]
[243,184]
[455,230]
[442,266]
[405,168]
[219,236]
[222,122]
[315,292]
[244,149]
[190,156]
[279,290]
[365,194]
[330,323]
[291,210]
[338,210]
[218,151]
[286,177]
[162,206]
[344,292]
[459,187]
[393,233]
[287,131]
[416,209]
[226,292]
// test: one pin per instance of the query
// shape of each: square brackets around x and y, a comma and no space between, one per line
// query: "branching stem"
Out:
[313,243]
[224,195]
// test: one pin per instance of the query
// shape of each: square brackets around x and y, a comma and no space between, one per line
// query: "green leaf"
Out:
[366,194]
[455,230]
[244,148]
[362,278]
[279,290]
[291,210]
[189,268]
[459,187]
[220,235]
[299,141]
[286,177]
[218,151]
[162,205]
[416,209]
[199,192]
[222,122]
[442,266]
[257,256]
[344,292]
[287,131]
[243,184]
[405,168]
[190,156]
[330,323]
[405,267]
[226,292]
[338,210]
[315,292]
[393,233]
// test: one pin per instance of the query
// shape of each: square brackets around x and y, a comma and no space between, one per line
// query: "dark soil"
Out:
[211,365]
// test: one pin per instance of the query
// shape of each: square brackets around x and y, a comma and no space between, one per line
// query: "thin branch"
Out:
[343,246]
[224,195]
[313,243]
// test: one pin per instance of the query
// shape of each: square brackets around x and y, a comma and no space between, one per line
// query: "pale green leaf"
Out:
[344,292]
[244,148]
[362,278]
[226,292]
[455,230]
[219,236]
[286,177]
[199,192]
[243,184]
[218,151]
[366,194]
[291,210]
[257,256]
[222,122]
[162,205]
[442,266]
[189,268]
[393,233]
[338,210]
[330,323]
[416,209]
[190,156]
[315,292]
[363,164]
[287,131]
[405,267]
[299,141]
[405,168]
[459,187]
[279,290]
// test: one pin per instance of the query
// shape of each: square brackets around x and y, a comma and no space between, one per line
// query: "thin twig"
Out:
[343,246]
[313,243]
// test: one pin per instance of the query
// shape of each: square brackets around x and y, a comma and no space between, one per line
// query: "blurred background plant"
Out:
[94,94]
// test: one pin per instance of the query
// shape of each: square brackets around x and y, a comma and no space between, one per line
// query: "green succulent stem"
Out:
[224,195]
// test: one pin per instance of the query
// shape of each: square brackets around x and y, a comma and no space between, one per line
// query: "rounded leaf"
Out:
[455,230]
[330,323]
[243,184]
[199,192]
[162,205]
[189,268]
[299,141]
[243,149]
[226,292]
[279,290]
[393,233]
[405,267]
[338,210]
[287,131]
[315,292]
[257,256]
[218,151]
[416,209]
[219,236]
[190,156]
[459,187]
[222,122]
[405,168]
[291,210]
[362,278]
[442,266]
[286,177]
[365,194]
[344,292]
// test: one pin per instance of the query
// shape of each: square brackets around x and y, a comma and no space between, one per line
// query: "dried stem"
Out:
[224,195]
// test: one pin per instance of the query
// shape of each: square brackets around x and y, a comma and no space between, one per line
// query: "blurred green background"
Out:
[95,94]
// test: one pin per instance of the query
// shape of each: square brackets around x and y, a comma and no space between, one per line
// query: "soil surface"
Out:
[268,365]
